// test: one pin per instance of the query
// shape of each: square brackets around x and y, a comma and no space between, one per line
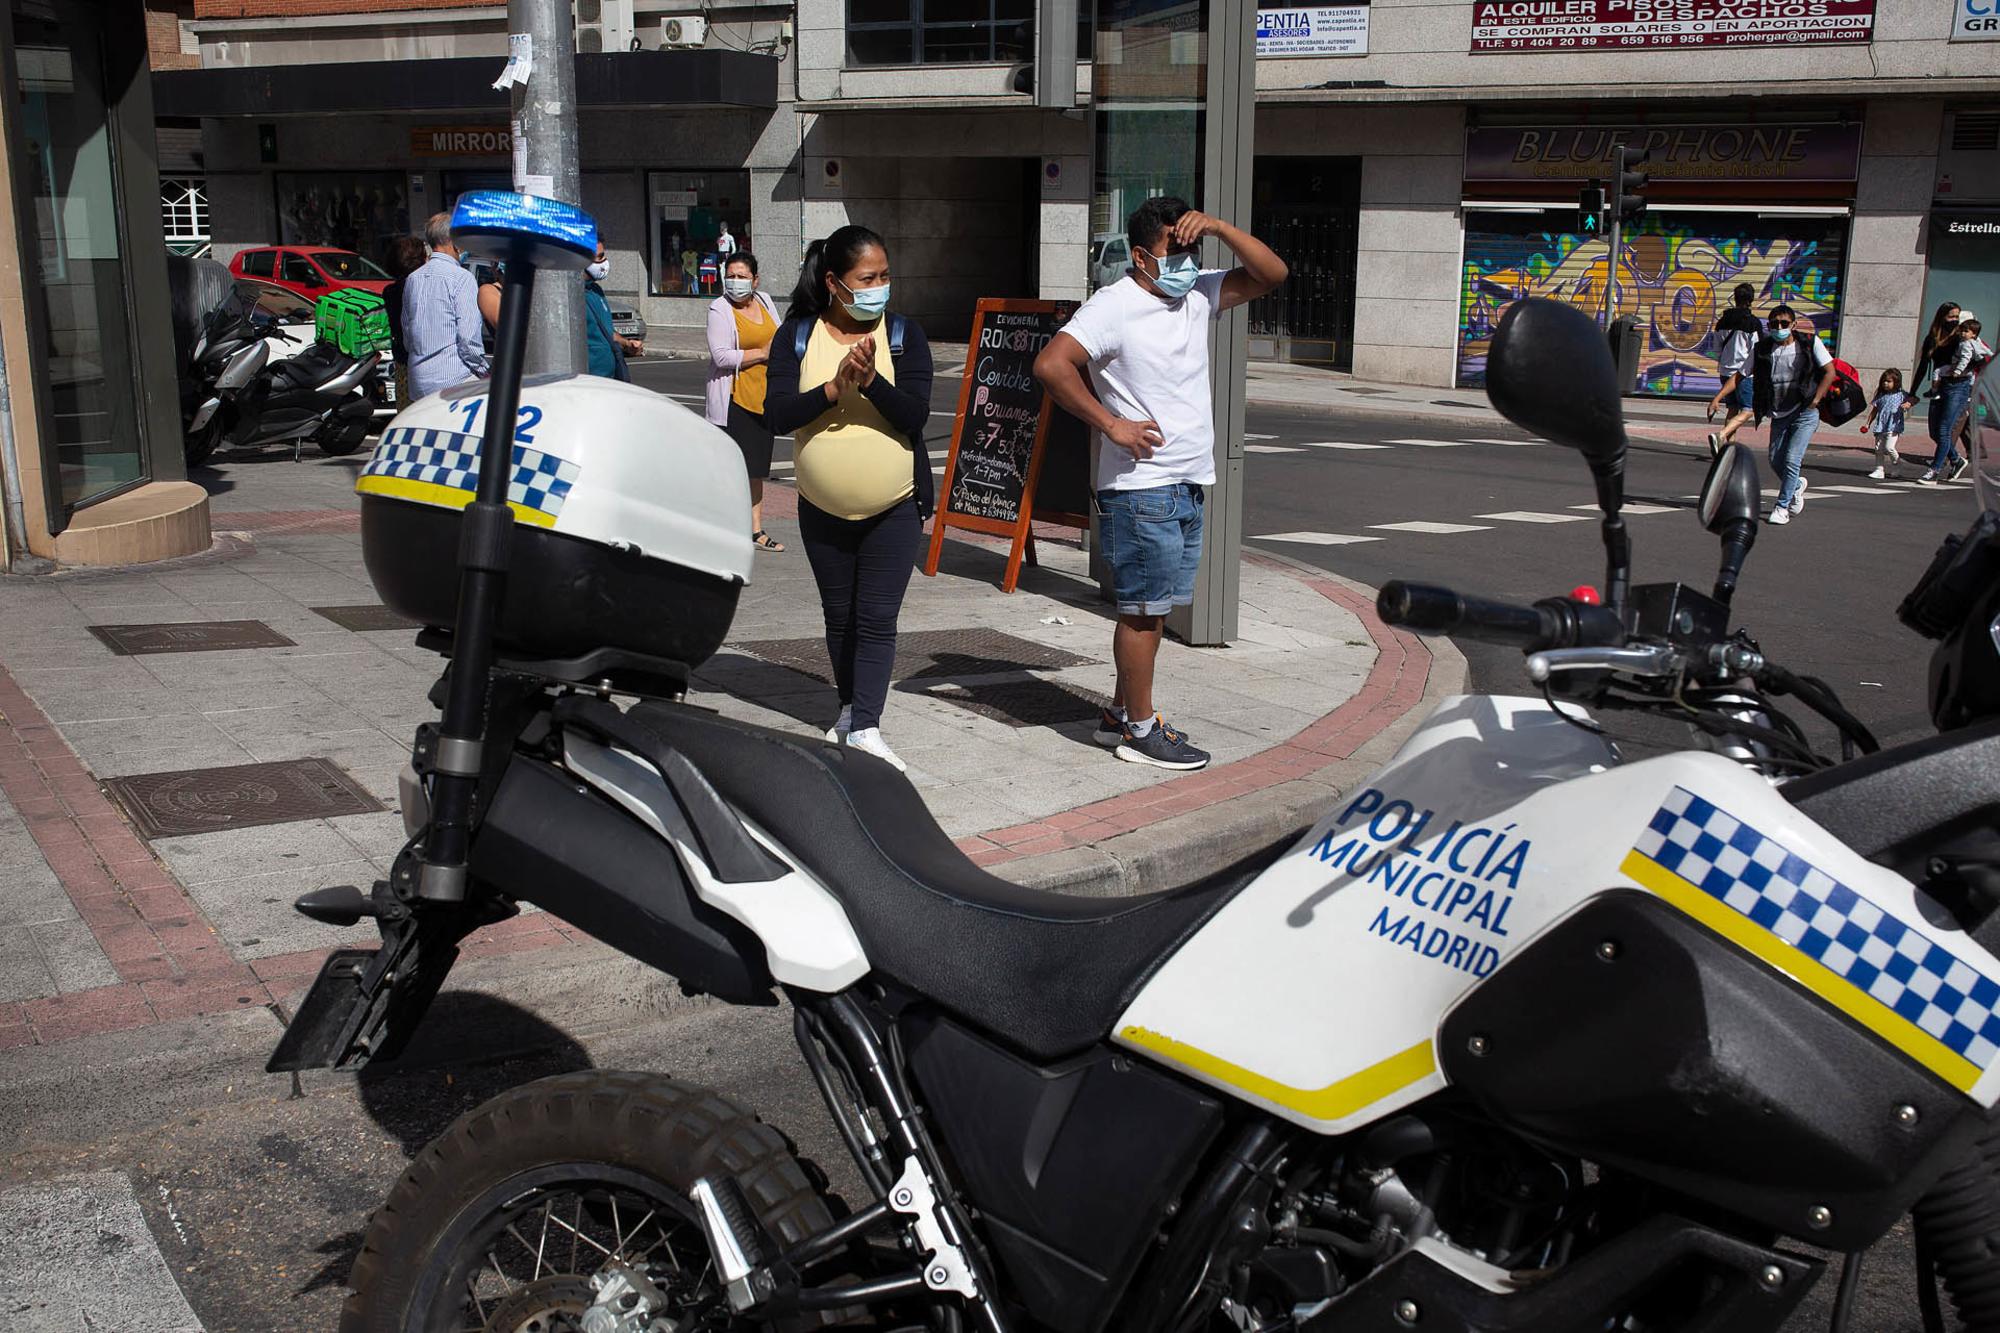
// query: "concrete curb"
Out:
[1183,848]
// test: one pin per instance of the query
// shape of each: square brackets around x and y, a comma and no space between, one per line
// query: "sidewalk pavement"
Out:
[1675,421]
[114,931]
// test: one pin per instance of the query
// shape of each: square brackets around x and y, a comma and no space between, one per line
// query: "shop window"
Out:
[184,214]
[948,32]
[362,211]
[687,212]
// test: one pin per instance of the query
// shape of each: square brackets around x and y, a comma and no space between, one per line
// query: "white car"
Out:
[1110,256]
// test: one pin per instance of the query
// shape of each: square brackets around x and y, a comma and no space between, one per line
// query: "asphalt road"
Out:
[257,1206]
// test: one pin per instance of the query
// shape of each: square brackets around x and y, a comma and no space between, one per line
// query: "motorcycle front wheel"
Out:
[197,447]
[503,1221]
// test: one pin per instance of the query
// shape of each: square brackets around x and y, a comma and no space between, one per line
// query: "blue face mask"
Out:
[866,304]
[1176,276]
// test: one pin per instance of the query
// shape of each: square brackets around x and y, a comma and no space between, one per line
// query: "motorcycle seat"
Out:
[1048,973]
[312,367]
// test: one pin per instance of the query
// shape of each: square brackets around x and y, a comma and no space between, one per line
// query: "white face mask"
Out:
[738,289]
[598,270]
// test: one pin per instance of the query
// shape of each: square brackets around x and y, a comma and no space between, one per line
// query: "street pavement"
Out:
[149,976]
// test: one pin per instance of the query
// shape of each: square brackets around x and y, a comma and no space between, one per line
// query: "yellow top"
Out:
[754,327]
[850,461]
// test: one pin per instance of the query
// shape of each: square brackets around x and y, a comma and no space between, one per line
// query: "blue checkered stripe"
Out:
[1828,922]
[445,458]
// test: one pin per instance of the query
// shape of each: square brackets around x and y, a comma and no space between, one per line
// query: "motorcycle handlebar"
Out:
[1554,622]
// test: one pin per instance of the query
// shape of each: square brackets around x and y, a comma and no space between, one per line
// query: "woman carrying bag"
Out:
[741,324]
[863,474]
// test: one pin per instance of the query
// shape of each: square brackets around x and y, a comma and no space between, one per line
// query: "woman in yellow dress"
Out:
[741,323]
[863,474]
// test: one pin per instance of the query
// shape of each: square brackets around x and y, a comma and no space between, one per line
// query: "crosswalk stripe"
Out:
[1434,444]
[1315,538]
[1639,508]
[1337,444]
[1532,516]
[1271,449]
[1248,435]
[1421,525]
[1853,490]
[1513,443]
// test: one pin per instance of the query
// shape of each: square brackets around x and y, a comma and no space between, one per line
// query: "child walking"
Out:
[1885,418]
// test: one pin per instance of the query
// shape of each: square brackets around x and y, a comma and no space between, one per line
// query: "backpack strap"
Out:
[896,325]
[805,333]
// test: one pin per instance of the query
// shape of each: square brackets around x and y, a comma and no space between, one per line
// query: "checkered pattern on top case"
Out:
[445,458]
[1850,936]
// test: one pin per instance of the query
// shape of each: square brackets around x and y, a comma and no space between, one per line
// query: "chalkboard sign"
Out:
[1016,458]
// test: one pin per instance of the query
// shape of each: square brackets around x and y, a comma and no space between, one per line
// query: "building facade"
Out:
[90,438]
[1418,163]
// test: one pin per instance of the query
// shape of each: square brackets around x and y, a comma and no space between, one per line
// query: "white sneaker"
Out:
[1877,475]
[1780,515]
[1799,497]
[837,733]
[1928,479]
[869,740]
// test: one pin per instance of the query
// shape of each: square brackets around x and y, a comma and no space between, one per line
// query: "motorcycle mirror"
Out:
[1728,508]
[1549,371]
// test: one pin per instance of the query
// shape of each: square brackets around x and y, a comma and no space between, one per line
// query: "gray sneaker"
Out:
[1162,747]
[1110,728]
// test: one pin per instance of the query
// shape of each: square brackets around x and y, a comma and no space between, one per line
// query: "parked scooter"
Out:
[230,391]
[1522,1037]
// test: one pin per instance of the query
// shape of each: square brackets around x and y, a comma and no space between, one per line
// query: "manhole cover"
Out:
[204,636]
[929,654]
[207,800]
[364,618]
[1357,388]
[1023,703]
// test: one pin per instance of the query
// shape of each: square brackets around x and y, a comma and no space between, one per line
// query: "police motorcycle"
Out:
[233,393]
[1518,1037]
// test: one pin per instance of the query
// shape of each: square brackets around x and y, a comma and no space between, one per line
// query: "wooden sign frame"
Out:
[1021,531]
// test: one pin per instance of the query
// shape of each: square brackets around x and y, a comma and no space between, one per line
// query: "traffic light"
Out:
[1628,184]
[1590,209]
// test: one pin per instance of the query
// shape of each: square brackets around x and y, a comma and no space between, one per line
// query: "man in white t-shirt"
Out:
[1144,342]
[1793,373]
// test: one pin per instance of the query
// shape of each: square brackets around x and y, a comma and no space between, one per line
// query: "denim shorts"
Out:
[1152,541]
[1745,400]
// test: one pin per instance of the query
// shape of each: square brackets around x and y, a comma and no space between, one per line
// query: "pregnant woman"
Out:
[853,386]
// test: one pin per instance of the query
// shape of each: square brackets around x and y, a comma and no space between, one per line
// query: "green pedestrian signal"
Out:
[1590,209]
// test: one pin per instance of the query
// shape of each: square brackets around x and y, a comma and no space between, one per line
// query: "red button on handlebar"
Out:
[1586,594]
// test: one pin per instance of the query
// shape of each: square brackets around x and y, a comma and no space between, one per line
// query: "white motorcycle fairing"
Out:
[1318,991]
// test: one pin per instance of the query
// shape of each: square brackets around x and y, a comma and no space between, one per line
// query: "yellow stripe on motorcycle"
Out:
[447,497]
[1336,1101]
[1815,976]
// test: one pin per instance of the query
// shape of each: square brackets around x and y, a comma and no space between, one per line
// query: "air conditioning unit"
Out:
[683,31]
[604,25]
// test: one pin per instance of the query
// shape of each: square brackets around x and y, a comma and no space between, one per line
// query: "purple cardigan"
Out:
[725,355]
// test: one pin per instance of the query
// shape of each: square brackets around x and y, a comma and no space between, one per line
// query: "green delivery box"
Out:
[353,319]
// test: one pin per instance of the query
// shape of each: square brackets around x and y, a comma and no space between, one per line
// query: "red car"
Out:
[310,270]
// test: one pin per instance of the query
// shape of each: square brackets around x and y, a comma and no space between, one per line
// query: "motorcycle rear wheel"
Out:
[501,1221]
[336,441]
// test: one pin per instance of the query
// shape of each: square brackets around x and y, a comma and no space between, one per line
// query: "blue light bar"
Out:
[525,228]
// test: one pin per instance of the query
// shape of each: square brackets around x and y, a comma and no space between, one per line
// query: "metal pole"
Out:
[1614,235]
[545,163]
[1228,153]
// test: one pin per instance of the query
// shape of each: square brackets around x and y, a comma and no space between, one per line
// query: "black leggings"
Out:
[863,569]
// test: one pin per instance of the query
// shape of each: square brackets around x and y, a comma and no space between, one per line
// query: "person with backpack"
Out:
[1792,372]
[863,474]
[1739,331]
[1955,364]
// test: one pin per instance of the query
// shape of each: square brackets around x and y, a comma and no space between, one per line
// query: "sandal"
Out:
[763,541]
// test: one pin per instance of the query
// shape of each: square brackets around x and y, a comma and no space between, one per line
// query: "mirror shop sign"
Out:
[1692,154]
